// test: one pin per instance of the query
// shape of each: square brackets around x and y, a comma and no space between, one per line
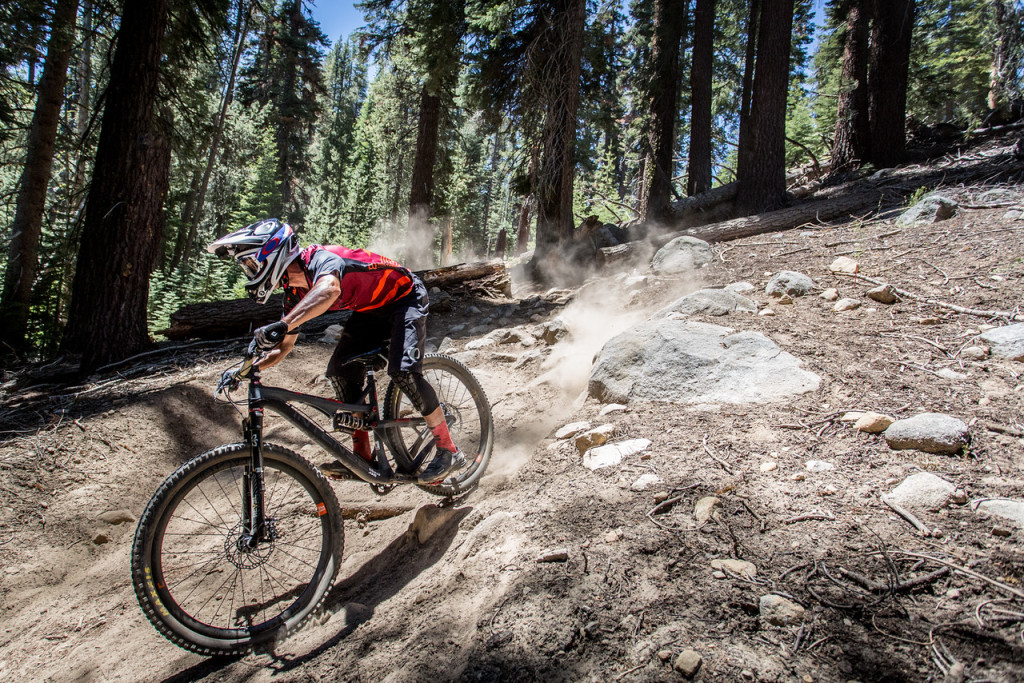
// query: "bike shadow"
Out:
[353,600]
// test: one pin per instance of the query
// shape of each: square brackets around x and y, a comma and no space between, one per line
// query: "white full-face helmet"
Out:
[263,250]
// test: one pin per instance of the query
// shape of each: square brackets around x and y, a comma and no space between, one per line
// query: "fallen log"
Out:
[817,211]
[773,221]
[238,317]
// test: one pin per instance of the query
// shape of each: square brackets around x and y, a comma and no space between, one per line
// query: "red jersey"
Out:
[368,281]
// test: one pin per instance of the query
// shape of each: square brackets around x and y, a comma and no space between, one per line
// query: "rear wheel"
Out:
[468,413]
[199,580]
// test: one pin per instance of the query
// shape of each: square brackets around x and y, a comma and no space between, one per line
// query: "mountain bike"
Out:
[239,546]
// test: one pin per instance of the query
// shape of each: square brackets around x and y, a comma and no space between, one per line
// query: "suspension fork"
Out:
[253,520]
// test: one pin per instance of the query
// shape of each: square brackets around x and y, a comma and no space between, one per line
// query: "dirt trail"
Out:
[456,594]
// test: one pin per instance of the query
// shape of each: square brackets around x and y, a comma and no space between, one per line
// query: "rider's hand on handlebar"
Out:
[269,336]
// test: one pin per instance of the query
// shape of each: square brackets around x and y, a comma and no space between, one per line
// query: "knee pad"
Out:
[418,390]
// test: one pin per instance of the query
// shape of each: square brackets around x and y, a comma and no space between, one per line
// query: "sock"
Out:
[361,444]
[443,438]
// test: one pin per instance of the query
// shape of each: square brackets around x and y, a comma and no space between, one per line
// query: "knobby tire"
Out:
[471,426]
[186,546]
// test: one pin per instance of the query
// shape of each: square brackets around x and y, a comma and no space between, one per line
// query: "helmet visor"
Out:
[250,265]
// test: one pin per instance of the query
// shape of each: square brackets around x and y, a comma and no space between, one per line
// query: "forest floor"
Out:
[472,603]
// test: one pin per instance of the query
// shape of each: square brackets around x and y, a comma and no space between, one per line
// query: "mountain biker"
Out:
[388,304]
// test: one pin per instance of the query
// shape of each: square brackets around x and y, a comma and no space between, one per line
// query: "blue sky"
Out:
[337,19]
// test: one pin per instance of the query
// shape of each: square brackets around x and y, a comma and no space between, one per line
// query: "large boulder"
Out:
[679,361]
[708,302]
[682,255]
[1006,342]
[928,432]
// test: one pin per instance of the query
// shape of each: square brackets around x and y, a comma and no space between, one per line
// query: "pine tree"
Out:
[27,227]
[285,74]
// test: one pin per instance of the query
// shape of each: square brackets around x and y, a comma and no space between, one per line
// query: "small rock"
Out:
[975,352]
[819,466]
[611,537]
[780,611]
[959,497]
[719,575]
[928,432]
[829,490]
[789,282]
[873,423]
[572,429]
[429,520]
[687,663]
[845,305]
[554,331]
[883,294]
[740,288]
[830,294]
[100,539]
[592,438]
[1006,508]
[785,300]
[645,481]
[931,209]
[766,312]
[923,490]
[1001,531]
[664,655]
[927,321]
[480,344]
[707,508]
[660,498]
[769,466]
[844,264]
[612,408]
[612,454]
[949,373]
[741,567]
[799,476]
[1006,342]
[115,517]
[852,416]
[556,555]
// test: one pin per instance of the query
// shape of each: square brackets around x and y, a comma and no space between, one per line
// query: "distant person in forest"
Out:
[388,304]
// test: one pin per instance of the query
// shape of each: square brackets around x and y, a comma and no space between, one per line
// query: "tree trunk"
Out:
[124,209]
[193,215]
[887,81]
[564,40]
[446,243]
[669,30]
[501,244]
[523,229]
[698,173]
[761,172]
[853,133]
[421,193]
[753,21]
[23,252]
[1000,51]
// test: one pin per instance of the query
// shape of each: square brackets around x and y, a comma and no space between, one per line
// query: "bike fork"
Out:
[253,520]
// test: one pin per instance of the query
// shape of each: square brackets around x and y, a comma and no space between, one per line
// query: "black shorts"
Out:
[400,326]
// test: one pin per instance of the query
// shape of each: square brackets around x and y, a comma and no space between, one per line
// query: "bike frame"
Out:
[377,472]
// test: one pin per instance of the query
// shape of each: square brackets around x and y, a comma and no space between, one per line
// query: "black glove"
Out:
[269,336]
[228,381]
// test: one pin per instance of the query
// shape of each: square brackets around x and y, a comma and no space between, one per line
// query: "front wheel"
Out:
[468,413]
[201,580]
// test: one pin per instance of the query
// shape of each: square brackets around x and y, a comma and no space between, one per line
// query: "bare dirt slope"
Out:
[455,593]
